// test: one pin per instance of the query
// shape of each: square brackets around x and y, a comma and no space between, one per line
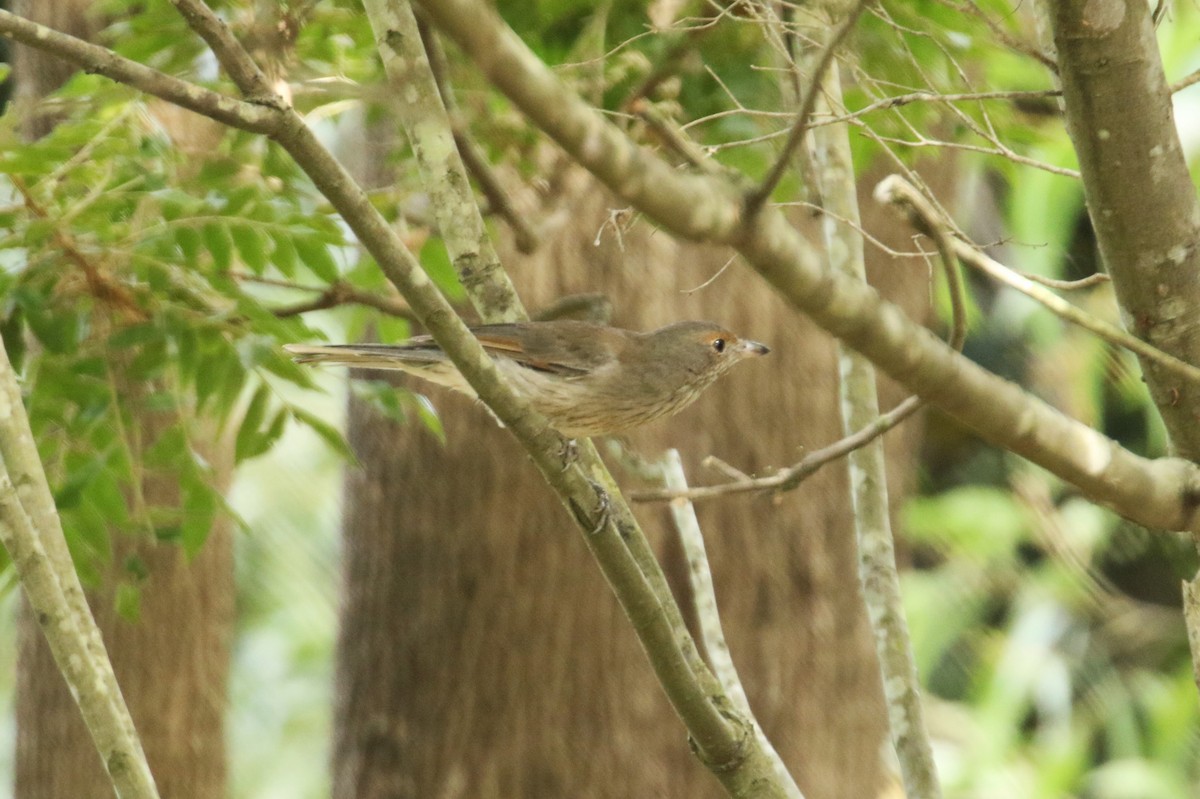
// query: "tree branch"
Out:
[879,579]
[1139,192]
[808,103]
[31,532]
[1141,201]
[704,596]
[93,58]
[425,121]
[499,201]
[926,218]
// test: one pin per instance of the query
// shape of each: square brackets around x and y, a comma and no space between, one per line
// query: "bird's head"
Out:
[702,349]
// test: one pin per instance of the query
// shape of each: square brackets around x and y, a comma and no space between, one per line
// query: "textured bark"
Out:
[481,653]
[172,663]
[1140,195]
[34,73]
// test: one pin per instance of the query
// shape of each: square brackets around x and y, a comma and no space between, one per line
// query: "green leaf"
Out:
[316,256]
[12,331]
[70,493]
[428,415]
[326,431]
[200,505]
[219,245]
[189,242]
[252,247]
[128,601]
[248,443]
[57,329]
[436,262]
[134,335]
[284,255]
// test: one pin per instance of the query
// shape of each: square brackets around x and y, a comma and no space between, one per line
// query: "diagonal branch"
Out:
[423,116]
[93,58]
[31,532]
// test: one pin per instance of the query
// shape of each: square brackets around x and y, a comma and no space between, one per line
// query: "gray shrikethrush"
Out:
[586,379]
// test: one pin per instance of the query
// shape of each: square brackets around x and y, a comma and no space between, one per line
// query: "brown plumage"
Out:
[587,379]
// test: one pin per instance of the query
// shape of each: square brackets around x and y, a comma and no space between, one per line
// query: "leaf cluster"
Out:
[128,304]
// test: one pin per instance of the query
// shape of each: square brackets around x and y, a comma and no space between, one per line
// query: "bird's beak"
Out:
[748,347]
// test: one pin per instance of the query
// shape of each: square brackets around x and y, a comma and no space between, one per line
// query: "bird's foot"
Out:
[603,508]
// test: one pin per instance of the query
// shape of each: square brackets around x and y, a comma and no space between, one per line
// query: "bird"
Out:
[587,379]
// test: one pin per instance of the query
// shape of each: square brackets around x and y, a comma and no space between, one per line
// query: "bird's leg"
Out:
[603,507]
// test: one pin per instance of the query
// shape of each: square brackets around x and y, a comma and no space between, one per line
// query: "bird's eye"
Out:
[718,344]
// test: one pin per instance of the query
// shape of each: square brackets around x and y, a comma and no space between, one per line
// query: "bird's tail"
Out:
[368,356]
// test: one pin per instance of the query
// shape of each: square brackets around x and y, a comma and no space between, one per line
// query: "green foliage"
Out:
[127,299]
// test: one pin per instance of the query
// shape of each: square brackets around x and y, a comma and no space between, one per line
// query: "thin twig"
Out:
[895,190]
[233,58]
[672,136]
[1009,41]
[791,477]
[335,294]
[1017,158]
[100,285]
[1067,285]
[756,198]
[1185,81]
[704,596]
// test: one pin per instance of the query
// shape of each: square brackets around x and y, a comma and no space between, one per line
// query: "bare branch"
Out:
[101,61]
[499,202]
[423,116]
[31,532]
[791,477]
[234,59]
[1009,41]
[895,190]
[704,596]
[756,198]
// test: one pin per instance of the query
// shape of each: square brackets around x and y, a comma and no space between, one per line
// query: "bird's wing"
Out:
[569,349]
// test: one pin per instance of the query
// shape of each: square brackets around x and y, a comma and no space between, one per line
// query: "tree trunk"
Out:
[481,654]
[172,662]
